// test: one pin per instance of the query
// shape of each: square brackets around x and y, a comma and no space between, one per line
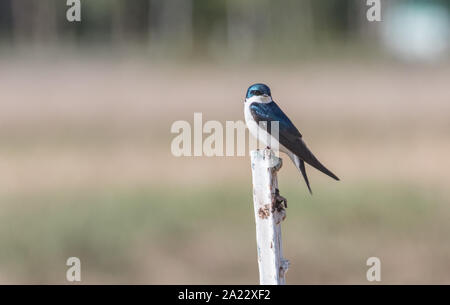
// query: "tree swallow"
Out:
[260,108]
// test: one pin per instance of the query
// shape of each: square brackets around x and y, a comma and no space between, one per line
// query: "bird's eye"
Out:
[256,92]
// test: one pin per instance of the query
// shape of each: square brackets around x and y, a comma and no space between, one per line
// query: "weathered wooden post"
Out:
[269,213]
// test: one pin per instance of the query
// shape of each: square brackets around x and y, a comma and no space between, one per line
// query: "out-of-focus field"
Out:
[86,170]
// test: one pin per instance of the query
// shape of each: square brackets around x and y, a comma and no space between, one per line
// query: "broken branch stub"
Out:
[269,213]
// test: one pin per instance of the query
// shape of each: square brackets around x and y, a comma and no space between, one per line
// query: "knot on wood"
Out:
[264,212]
[279,203]
[274,163]
[284,266]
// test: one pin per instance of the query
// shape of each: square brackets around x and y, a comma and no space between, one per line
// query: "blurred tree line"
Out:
[189,27]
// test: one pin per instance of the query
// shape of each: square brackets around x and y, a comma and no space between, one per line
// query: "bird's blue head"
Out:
[257,90]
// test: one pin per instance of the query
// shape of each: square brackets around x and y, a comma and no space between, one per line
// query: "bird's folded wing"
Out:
[269,113]
[288,136]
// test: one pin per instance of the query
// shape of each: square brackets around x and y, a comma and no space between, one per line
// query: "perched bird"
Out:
[260,111]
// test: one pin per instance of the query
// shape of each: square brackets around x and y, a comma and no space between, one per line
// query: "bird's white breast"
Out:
[251,123]
[255,130]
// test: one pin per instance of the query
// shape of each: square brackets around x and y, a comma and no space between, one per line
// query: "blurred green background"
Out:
[86,168]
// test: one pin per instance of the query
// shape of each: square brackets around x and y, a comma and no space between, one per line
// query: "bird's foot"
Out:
[279,203]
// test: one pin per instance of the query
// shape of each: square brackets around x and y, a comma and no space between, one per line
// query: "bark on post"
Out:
[269,213]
